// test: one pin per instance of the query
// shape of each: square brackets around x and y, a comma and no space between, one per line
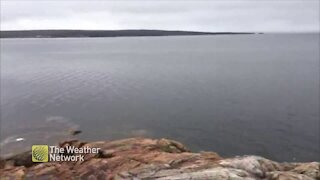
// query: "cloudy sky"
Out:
[203,15]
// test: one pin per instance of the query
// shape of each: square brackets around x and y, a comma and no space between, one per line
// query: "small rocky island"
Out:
[162,159]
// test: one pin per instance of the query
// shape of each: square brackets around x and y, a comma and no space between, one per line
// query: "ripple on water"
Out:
[53,130]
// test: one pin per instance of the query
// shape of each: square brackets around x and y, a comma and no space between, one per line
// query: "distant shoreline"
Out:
[105,33]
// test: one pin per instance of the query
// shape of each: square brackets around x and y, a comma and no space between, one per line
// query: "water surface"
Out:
[239,94]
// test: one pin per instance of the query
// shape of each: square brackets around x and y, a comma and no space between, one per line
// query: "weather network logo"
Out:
[40,153]
[45,153]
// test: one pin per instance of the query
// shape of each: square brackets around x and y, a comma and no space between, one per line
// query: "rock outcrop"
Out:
[162,159]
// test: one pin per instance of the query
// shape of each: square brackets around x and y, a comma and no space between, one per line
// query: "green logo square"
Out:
[40,153]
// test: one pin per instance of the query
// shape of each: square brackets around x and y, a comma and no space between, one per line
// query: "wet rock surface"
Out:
[163,159]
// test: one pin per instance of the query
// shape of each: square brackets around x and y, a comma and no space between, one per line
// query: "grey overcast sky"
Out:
[203,15]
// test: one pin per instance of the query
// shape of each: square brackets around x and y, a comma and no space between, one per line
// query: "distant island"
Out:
[103,33]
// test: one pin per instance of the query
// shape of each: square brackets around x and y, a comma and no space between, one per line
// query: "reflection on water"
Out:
[248,94]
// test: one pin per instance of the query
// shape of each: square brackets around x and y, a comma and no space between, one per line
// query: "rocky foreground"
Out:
[162,159]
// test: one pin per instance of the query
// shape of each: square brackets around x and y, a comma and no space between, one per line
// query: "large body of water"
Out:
[236,95]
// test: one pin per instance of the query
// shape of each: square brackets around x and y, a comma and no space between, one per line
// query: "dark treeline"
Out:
[100,33]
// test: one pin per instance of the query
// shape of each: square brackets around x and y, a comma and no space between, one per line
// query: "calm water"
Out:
[241,94]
